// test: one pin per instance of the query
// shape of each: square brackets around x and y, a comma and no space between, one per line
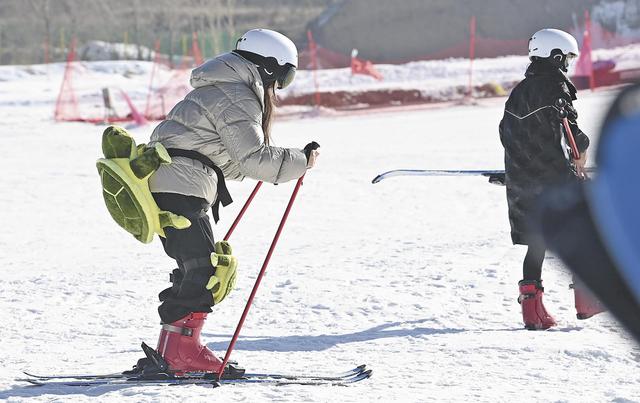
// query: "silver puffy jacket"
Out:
[221,119]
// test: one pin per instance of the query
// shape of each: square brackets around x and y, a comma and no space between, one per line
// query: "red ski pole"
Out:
[259,279]
[572,141]
[575,153]
[243,210]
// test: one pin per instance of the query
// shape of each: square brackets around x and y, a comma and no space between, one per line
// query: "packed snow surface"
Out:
[416,277]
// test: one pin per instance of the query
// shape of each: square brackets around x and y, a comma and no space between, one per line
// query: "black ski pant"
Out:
[191,248]
[532,266]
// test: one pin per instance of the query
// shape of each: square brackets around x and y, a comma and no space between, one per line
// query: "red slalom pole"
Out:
[243,210]
[259,279]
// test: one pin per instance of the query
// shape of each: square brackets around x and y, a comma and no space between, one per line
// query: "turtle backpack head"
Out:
[124,172]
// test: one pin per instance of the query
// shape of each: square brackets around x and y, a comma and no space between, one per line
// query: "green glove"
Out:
[224,279]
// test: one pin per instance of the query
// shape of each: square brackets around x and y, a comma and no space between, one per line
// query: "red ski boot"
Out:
[179,344]
[587,304]
[534,314]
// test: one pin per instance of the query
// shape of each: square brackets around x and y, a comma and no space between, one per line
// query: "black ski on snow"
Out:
[266,379]
[118,375]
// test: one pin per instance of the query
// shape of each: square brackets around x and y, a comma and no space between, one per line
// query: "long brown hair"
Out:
[269,110]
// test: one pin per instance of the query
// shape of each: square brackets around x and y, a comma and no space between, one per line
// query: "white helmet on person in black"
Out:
[274,54]
[557,46]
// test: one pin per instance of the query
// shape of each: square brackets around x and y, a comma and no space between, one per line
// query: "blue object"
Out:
[614,196]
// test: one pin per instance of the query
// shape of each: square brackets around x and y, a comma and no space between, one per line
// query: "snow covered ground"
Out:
[415,277]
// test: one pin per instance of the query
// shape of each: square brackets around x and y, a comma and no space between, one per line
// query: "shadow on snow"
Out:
[325,341]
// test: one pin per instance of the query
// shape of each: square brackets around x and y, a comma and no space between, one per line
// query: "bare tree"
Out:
[2,57]
[217,26]
[28,25]
[42,9]
[70,10]
[106,13]
[135,8]
[231,11]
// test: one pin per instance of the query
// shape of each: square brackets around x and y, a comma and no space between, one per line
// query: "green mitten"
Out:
[224,279]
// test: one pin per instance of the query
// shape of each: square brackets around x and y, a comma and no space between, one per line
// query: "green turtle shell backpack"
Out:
[124,172]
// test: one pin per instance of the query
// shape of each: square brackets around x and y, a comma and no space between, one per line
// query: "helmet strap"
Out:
[267,66]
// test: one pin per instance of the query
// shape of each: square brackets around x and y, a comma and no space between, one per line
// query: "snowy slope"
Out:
[414,276]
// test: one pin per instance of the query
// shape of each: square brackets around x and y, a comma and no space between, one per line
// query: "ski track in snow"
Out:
[415,277]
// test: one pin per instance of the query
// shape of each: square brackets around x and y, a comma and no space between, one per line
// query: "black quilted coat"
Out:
[531,132]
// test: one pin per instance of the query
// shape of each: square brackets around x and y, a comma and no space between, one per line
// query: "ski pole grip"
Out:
[561,103]
[561,106]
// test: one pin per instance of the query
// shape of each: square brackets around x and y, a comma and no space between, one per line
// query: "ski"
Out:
[343,375]
[497,176]
[135,381]
[494,176]
[115,375]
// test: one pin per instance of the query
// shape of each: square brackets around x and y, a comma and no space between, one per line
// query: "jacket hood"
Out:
[544,68]
[228,68]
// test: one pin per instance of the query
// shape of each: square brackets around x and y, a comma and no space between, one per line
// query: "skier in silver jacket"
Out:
[221,130]
[222,119]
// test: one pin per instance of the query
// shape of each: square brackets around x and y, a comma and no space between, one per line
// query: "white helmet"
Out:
[545,41]
[274,53]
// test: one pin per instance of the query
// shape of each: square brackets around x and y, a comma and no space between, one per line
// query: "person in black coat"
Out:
[537,155]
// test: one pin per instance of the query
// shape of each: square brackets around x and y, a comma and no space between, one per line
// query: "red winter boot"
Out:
[587,304]
[534,314]
[179,344]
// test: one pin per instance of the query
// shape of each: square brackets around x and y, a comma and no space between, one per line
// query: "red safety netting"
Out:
[584,65]
[85,96]
[603,57]
[165,93]
[80,100]
[483,47]
[591,71]
[67,103]
[605,60]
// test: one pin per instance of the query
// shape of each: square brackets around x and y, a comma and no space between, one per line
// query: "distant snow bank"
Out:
[99,50]
[438,80]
